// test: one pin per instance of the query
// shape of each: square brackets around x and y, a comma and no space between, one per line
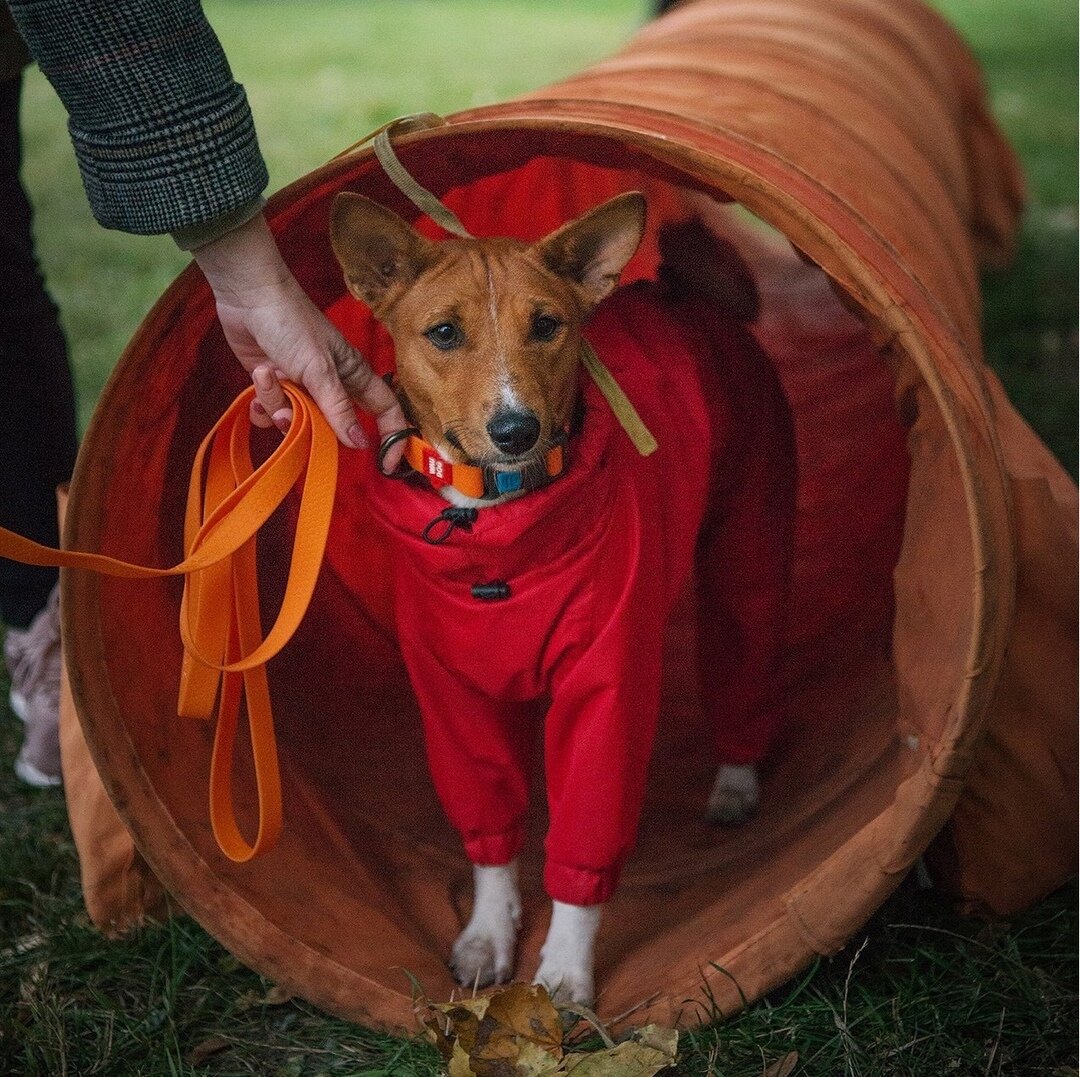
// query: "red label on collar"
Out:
[436,470]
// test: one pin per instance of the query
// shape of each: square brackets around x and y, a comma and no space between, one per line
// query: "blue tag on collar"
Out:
[508,482]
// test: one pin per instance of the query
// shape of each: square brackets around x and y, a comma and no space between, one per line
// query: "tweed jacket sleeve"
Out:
[163,134]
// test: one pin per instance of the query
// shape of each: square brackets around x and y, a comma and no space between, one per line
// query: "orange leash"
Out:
[225,652]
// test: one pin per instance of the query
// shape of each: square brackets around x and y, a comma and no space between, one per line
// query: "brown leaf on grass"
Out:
[626,1059]
[276,996]
[510,1056]
[458,1064]
[518,1032]
[782,1067]
[515,1032]
[649,1050]
[437,1034]
[246,1001]
[209,1047]
[273,996]
[664,1040]
[454,1024]
[525,1011]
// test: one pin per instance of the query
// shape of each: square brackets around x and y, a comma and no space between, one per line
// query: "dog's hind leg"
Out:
[735,796]
[743,569]
[484,951]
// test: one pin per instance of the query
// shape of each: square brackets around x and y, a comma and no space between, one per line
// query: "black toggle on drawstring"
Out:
[495,591]
[452,517]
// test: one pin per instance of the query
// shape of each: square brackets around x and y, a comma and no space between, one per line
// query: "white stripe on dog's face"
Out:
[508,399]
[493,310]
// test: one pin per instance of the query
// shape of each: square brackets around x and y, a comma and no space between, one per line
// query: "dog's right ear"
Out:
[379,253]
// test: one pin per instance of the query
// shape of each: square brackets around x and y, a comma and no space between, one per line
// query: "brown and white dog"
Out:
[488,340]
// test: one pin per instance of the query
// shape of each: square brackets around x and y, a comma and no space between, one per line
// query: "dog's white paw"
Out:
[479,960]
[566,958]
[484,952]
[735,796]
[567,987]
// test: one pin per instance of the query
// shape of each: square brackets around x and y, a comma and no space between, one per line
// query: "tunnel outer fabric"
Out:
[930,666]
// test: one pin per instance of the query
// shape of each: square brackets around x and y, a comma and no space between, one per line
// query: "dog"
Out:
[537,552]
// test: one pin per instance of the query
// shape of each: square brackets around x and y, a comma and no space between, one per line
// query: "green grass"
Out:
[919,991]
[1028,51]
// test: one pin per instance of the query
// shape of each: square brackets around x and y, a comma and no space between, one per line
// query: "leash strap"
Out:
[400,176]
[225,652]
[420,197]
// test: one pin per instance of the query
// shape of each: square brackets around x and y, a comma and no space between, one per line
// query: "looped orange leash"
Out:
[225,653]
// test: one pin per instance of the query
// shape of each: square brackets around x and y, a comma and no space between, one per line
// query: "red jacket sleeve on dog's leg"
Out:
[478,754]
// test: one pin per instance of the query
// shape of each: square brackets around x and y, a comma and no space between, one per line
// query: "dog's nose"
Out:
[514,432]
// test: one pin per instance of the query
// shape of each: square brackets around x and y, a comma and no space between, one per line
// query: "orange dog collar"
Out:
[482,483]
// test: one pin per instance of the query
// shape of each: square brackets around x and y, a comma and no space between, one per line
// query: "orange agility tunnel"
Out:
[841,151]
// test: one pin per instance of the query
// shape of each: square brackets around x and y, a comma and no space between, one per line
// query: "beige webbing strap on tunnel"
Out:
[400,176]
[420,197]
[618,401]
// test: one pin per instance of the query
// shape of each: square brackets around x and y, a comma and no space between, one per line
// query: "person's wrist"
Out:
[192,236]
[243,265]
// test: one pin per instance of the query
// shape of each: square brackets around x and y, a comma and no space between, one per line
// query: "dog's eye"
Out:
[544,327]
[445,336]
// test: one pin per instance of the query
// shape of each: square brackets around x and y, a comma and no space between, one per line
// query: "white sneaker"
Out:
[33,660]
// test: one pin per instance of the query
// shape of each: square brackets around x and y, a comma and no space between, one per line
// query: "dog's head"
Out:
[487,332]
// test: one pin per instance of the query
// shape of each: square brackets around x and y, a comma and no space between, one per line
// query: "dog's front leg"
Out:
[566,958]
[484,951]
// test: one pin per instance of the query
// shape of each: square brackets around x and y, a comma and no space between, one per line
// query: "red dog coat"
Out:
[594,562]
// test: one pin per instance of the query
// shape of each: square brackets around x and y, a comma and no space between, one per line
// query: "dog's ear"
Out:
[593,250]
[379,253]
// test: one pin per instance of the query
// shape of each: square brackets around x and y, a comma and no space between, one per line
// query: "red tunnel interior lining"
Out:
[363,831]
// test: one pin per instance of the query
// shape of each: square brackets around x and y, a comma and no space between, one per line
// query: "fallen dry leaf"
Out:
[273,996]
[626,1059]
[527,1010]
[513,1057]
[458,1064]
[276,996]
[518,1032]
[783,1067]
[664,1040]
[454,1025]
[202,1051]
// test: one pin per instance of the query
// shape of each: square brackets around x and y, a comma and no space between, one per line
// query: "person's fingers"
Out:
[270,399]
[373,394]
[258,416]
[321,380]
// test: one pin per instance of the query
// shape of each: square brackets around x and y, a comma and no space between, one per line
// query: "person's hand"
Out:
[278,333]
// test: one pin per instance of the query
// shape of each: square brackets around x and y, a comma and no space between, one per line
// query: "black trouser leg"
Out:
[37,400]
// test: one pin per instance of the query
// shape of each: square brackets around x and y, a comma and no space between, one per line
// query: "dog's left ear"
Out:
[593,250]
